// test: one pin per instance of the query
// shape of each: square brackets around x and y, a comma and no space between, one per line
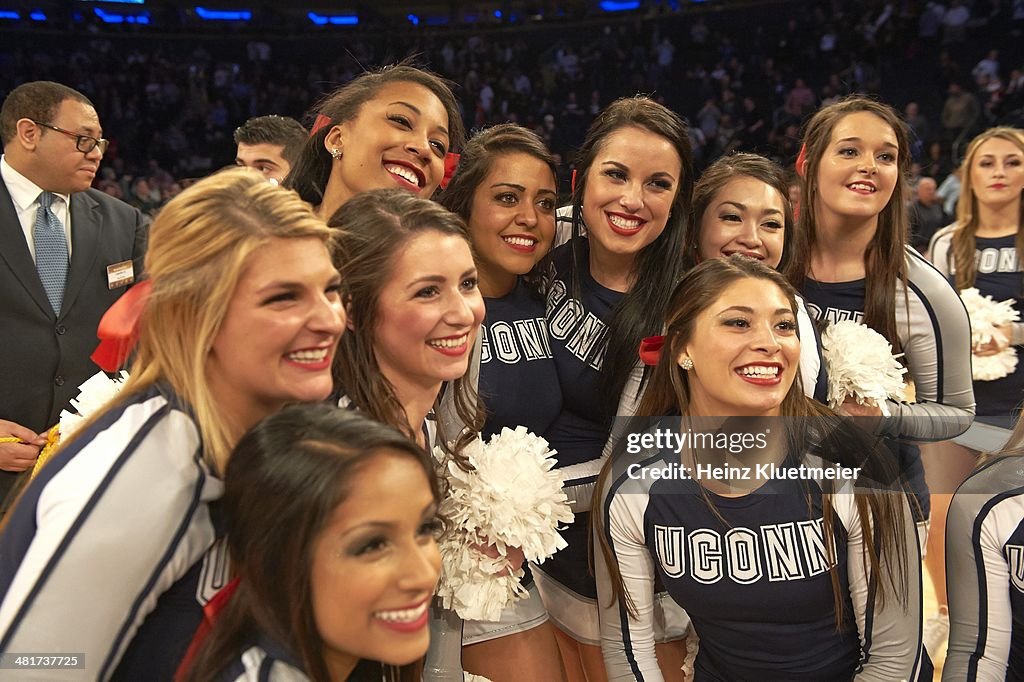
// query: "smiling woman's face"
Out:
[745,352]
[512,218]
[398,138]
[280,333]
[428,313]
[631,185]
[746,216]
[375,567]
[859,168]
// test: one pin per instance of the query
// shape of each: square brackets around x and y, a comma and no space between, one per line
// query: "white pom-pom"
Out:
[987,315]
[513,498]
[861,365]
[93,394]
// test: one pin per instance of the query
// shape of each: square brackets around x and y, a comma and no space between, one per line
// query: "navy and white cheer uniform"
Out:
[264,660]
[115,547]
[757,586]
[998,274]
[812,364]
[518,380]
[518,384]
[985,574]
[579,333]
[935,336]
[577,322]
[580,435]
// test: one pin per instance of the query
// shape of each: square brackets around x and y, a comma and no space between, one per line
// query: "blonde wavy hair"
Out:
[962,246]
[199,246]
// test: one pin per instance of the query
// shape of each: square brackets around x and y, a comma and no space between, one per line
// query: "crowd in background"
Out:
[744,79]
[174,109]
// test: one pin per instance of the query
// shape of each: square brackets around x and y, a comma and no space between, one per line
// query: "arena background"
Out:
[172,80]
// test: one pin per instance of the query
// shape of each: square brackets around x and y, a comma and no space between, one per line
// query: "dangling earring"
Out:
[335,153]
[686,364]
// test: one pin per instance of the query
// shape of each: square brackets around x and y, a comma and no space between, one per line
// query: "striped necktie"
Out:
[51,251]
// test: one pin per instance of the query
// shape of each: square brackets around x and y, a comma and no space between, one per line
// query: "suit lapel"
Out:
[86,233]
[14,252]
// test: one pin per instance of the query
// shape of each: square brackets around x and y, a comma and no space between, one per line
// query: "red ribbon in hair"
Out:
[451,162]
[119,329]
[650,350]
[572,182]
[319,123]
[210,614]
[801,161]
[801,170]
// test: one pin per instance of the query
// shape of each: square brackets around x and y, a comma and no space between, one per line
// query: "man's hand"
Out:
[19,456]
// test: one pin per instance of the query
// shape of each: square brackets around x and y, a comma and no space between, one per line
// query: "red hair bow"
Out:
[211,612]
[650,349]
[451,162]
[319,124]
[119,329]
[801,161]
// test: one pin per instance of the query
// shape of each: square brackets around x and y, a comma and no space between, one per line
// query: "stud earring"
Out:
[686,364]
[335,153]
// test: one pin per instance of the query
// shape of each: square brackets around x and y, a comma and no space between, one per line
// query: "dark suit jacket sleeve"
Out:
[45,356]
[141,242]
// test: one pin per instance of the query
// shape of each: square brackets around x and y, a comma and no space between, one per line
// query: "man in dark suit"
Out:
[67,252]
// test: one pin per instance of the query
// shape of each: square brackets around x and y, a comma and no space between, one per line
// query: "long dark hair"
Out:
[821,432]
[285,479]
[885,256]
[372,227]
[311,170]
[476,161]
[657,267]
[715,177]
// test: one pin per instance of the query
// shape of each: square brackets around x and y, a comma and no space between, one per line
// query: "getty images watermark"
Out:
[721,444]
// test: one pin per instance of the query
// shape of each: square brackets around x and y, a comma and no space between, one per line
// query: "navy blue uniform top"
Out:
[112,551]
[841,301]
[985,574]
[998,274]
[577,322]
[264,660]
[518,380]
[758,587]
[579,339]
[935,336]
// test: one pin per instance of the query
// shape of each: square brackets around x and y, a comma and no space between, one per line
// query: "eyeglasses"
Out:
[84,143]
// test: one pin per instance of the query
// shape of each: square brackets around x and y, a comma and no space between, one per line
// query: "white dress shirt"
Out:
[25,195]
